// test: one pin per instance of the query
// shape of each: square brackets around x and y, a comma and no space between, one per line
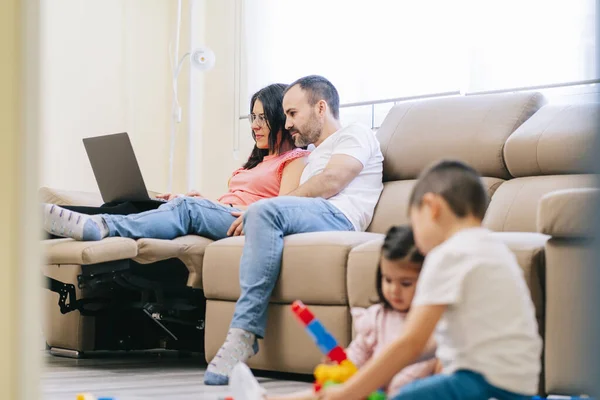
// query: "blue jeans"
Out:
[266,222]
[178,217]
[461,385]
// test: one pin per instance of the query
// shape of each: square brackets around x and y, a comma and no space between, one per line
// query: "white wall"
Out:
[220,123]
[104,69]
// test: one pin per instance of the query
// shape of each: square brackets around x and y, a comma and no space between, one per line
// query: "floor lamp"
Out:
[201,59]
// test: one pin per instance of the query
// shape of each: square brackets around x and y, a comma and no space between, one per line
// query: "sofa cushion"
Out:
[572,329]
[392,208]
[74,197]
[189,249]
[362,271]
[287,346]
[69,197]
[313,267]
[529,250]
[514,205]
[69,251]
[471,129]
[555,140]
[568,213]
[527,247]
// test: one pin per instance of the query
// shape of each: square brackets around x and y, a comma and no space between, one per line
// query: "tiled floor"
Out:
[142,376]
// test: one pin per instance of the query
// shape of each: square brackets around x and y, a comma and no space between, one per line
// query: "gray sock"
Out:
[66,223]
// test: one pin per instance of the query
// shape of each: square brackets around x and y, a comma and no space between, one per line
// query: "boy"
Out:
[472,291]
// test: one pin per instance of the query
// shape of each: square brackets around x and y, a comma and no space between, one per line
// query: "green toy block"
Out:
[329,383]
[378,395]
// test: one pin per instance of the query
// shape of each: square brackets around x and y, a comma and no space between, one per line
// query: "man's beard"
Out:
[311,132]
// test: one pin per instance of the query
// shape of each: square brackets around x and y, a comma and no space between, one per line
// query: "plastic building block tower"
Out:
[88,396]
[326,375]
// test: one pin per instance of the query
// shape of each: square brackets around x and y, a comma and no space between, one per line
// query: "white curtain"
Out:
[378,49]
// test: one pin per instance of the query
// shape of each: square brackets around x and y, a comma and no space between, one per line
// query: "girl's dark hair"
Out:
[399,244]
[271,98]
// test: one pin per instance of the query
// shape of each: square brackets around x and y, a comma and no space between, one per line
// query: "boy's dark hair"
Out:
[457,183]
[319,88]
[399,244]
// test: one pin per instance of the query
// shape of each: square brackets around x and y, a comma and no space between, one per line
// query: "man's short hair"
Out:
[457,183]
[318,88]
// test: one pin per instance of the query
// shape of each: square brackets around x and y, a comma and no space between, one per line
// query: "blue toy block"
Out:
[322,338]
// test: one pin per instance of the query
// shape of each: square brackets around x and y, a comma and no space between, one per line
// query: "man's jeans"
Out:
[266,222]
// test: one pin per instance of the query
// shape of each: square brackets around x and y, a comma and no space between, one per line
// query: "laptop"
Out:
[116,169]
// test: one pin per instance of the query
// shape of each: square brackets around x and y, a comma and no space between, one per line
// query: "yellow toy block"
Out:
[335,373]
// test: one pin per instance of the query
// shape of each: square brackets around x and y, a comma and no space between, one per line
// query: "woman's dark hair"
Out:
[271,98]
[399,244]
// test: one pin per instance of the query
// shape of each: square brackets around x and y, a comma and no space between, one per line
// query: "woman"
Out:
[273,168]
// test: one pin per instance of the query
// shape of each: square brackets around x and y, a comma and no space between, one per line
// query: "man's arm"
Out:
[378,371]
[337,174]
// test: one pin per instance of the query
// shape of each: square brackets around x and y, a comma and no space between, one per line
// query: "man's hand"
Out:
[237,228]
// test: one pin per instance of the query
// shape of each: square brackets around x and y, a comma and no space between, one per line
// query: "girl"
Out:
[273,168]
[380,324]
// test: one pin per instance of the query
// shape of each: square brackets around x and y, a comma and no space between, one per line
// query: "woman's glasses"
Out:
[260,119]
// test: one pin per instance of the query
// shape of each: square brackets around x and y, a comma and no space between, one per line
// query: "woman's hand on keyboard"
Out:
[194,193]
[167,196]
[171,196]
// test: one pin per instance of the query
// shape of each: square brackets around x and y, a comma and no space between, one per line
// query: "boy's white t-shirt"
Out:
[489,326]
[357,201]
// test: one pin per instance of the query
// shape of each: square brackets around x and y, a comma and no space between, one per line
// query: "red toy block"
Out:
[302,312]
[317,387]
[337,355]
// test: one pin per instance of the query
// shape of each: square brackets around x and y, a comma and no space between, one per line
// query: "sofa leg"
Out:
[68,353]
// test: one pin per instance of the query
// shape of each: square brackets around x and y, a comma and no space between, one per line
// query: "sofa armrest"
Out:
[568,213]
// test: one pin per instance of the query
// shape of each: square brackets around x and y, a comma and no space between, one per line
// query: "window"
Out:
[378,49]
[383,49]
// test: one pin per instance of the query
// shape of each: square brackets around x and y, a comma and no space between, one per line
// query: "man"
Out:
[338,191]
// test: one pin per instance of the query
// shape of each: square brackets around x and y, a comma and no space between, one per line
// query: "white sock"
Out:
[239,346]
[66,223]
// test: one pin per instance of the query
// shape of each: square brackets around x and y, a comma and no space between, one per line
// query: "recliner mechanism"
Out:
[67,300]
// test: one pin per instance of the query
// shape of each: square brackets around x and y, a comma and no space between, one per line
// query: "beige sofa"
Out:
[525,151]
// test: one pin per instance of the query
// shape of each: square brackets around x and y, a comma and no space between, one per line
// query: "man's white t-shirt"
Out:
[357,201]
[489,326]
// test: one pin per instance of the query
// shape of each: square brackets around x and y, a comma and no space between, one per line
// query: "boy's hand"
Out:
[333,393]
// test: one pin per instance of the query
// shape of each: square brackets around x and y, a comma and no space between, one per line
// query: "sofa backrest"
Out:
[549,152]
[473,129]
